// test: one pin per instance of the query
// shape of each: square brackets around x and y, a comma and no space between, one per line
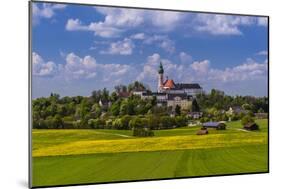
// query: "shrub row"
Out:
[123,123]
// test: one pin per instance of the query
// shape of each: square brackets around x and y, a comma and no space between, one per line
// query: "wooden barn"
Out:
[251,126]
[215,125]
[203,131]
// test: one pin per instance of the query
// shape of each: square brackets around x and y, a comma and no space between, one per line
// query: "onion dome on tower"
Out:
[160,70]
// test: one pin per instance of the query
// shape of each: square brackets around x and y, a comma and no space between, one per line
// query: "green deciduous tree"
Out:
[247,119]
[178,110]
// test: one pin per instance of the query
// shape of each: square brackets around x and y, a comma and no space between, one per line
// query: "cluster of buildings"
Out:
[172,94]
[168,94]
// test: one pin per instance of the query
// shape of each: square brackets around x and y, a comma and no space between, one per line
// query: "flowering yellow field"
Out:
[152,144]
[113,155]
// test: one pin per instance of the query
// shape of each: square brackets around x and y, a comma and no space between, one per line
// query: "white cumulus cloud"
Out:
[118,20]
[87,67]
[201,67]
[138,36]
[124,47]
[264,53]
[80,67]
[222,24]
[98,28]
[250,70]
[149,72]
[248,74]
[202,72]
[46,10]
[75,24]
[184,57]
[162,41]
[42,68]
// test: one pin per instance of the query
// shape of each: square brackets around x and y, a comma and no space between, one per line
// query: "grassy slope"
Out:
[71,142]
[146,165]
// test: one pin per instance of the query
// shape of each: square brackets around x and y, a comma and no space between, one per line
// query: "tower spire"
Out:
[160,77]
[160,70]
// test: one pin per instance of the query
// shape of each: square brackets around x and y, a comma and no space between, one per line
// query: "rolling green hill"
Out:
[87,156]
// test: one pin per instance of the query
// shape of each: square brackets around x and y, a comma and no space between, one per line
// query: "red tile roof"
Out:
[169,83]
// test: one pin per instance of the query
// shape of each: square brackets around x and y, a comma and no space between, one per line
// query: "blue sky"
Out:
[76,49]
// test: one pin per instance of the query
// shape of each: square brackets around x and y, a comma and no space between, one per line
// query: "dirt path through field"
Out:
[121,135]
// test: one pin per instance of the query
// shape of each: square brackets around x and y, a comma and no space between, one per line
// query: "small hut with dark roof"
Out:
[215,125]
[202,131]
[251,126]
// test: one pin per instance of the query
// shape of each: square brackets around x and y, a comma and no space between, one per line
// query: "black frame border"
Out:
[141,8]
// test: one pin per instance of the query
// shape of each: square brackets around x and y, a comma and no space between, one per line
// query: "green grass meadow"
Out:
[63,157]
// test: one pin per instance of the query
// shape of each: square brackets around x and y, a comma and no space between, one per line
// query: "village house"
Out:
[236,110]
[182,100]
[104,104]
[123,94]
[195,115]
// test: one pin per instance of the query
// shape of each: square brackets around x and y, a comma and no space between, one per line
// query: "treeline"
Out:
[113,111]
[101,110]
[215,106]
[125,122]
[218,100]
[141,121]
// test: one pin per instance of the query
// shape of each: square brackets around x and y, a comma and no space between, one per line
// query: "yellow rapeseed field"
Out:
[151,144]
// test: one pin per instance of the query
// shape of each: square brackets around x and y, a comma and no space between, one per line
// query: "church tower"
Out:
[160,77]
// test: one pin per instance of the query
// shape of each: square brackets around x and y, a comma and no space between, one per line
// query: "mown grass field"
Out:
[88,156]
